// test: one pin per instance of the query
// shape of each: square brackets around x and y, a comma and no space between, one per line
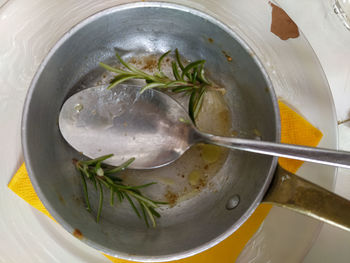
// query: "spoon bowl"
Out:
[155,130]
[150,127]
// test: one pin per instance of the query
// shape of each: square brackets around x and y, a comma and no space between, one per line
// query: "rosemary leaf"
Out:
[161,59]
[97,172]
[132,68]
[154,212]
[143,213]
[191,105]
[152,85]
[175,71]
[111,195]
[199,102]
[176,83]
[109,180]
[178,60]
[115,179]
[190,66]
[94,182]
[121,80]
[112,69]
[84,169]
[99,159]
[150,215]
[142,198]
[181,89]
[119,196]
[129,67]
[133,206]
[88,207]
[122,195]
[100,203]
[159,75]
[124,187]
[200,75]
[121,167]
[194,74]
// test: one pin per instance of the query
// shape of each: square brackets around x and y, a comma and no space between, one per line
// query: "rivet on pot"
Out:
[232,202]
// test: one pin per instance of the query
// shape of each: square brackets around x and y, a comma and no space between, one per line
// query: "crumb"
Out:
[77,233]
[229,59]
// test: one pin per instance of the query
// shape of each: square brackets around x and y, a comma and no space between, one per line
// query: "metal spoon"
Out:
[156,130]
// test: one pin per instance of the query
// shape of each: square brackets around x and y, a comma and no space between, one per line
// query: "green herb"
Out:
[103,175]
[189,79]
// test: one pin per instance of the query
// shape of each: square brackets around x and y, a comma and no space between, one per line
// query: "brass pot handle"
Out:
[291,191]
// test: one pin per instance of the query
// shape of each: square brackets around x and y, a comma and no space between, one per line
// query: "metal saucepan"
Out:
[243,182]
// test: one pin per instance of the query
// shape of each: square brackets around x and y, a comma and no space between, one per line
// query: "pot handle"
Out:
[291,191]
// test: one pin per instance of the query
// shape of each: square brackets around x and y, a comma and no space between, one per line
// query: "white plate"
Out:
[30,28]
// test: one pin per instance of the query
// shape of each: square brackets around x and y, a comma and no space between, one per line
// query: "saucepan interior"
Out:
[135,30]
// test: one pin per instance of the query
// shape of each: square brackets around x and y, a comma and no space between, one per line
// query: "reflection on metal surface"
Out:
[290,191]
[343,16]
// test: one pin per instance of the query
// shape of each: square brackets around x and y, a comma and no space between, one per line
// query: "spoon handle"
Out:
[303,153]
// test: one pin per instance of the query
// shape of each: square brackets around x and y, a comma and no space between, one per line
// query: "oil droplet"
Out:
[78,107]
[211,153]
[194,177]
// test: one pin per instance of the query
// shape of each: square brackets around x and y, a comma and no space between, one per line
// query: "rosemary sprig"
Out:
[189,79]
[102,175]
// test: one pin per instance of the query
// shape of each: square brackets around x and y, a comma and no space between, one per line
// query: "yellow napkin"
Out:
[294,129]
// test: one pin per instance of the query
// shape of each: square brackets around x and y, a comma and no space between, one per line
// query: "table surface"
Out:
[330,40]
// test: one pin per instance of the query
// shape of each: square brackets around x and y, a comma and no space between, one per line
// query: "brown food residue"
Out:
[211,40]
[171,197]
[229,59]
[77,234]
[282,25]
[61,199]
[151,63]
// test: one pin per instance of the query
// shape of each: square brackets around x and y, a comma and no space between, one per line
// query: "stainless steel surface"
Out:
[135,30]
[156,130]
[293,192]
[303,153]
[146,126]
